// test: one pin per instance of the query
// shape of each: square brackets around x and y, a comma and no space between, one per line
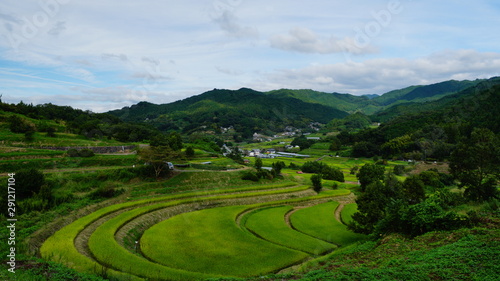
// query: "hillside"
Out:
[246,110]
[424,93]
[345,102]
[476,103]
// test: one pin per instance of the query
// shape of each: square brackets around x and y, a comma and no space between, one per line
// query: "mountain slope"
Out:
[425,98]
[246,110]
[477,106]
[424,93]
[344,102]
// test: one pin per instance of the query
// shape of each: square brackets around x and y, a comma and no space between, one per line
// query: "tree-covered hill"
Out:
[431,130]
[246,110]
[57,122]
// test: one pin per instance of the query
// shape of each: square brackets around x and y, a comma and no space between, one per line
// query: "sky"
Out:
[103,55]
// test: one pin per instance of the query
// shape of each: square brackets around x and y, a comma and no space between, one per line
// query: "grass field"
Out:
[209,241]
[270,224]
[319,221]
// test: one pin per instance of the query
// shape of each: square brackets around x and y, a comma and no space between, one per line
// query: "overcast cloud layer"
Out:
[103,55]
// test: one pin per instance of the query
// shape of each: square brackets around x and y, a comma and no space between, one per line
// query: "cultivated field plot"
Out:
[233,232]
[319,221]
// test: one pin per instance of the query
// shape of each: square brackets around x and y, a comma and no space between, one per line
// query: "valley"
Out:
[282,185]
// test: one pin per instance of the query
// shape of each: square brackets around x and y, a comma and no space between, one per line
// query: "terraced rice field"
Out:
[238,232]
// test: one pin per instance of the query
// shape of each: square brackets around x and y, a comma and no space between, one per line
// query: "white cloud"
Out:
[377,76]
[229,23]
[304,40]
[172,49]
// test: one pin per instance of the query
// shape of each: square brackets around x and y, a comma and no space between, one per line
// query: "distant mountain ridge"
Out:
[249,111]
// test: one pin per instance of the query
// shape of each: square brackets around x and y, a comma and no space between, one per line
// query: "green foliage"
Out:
[258,163]
[245,110]
[351,122]
[86,153]
[28,183]
[303,142]
[157,156]
[372,206]
[414,190]
[370,173]
[475,164]
[20,125]
[418,219]
[236,155]
[316,182]
[364,149]
[278,166]
[327,172]
[252,176]
[335,144]
[399,170]
[189,152]
[73,153]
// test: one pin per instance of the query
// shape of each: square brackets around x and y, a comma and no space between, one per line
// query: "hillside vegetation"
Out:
[404,186]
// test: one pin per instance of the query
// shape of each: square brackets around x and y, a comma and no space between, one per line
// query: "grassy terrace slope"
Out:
[319,221]
[110,258]
[270,224]
[209,241]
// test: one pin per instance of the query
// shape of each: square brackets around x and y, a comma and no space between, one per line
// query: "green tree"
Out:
[369,173]
[335,144]
[19,125]
[316,182]
[278,166]
[51,132]
[189,152]
[475,164]
[175,141]
[414,190]
[258,163]
[29,135]
[157,156]
[28,183]
[372,204]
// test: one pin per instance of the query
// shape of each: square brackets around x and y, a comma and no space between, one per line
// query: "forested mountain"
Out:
[249,111]
[28,119]
[424,93]
[431,129]
[246,110]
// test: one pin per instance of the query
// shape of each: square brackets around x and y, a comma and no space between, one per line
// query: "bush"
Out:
[250,176]
[327,172]
[399,170]
[28,183]
[418,219]
[72,153]
[105,192]
[316,182]
[86,153]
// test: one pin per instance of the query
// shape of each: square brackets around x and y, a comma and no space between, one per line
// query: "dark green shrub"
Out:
[316,182]
[86,153]
[28,183]
[250,176]
[72,153]
[399,170]
[327,172]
